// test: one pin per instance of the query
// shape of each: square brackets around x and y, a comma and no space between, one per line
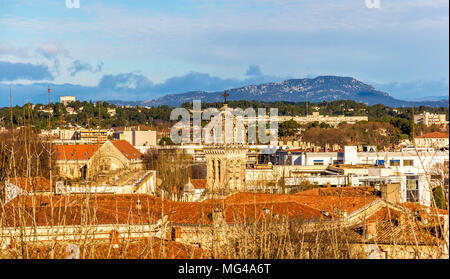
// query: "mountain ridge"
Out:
[321,88]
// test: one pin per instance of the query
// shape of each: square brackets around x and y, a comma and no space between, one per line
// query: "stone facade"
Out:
[225,167]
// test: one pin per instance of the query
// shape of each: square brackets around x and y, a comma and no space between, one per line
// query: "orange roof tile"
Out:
[128,150]
[30,184]
[350,191]
[413,206]
[128,248]
[316,201]
[76,152]
[199,183]
[434,135]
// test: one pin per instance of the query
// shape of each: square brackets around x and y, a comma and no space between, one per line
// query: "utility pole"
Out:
[49,103]
[413,126]
[50,139]
[307,104]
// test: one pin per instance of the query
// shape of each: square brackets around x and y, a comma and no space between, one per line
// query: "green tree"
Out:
[439,198]
[288,128]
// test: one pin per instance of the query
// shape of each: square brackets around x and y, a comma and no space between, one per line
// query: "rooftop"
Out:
[76,151]
[30,184]
[435,135]
[128,150]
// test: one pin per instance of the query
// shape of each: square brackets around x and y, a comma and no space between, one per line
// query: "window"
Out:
[395,163]
[338,162]
[379,162]
[408,163]
[318,162]
[412,188]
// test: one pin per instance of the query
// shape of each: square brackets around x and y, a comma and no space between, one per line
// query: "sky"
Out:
[140,50]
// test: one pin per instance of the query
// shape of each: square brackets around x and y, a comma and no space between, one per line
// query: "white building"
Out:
[430,119]
[137,137]
[417,170]
[67,99]
[434,140]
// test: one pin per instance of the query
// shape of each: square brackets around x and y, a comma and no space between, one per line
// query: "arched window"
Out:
[218,167]
[213,169]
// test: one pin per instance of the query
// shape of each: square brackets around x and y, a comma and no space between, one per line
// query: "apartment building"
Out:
[430,119]
[67,99]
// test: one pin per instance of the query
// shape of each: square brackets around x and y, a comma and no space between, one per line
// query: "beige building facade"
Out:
[430,119]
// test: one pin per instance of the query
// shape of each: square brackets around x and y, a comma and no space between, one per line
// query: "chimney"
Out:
[114,238]
[176,233]
[12,242]
[133,136]
[371,230]
[340,212]
[403,220]
[217,216]
[391,193]
[138,204]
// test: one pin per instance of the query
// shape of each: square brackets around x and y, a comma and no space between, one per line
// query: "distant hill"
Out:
[322,88]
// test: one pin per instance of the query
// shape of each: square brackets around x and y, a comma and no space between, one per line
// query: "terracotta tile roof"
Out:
[199,183]
[121,209]
[31,184]
[388,233]
[271,212]
[76,152]
[75,209]
[128,248]
[128,150]
[413,206]
[411,233]
[359,191]
[331,203]
[384,214]
[435,135]
[319,202]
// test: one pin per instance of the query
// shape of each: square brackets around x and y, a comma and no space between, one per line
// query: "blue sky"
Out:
[139,50]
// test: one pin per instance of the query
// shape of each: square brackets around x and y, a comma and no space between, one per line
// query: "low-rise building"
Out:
[65,100]
[137,137]
[94,135]
[88,160]
[435,140]
[333,121]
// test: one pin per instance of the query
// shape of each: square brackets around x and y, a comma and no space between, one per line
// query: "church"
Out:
[226,154]
[85,161]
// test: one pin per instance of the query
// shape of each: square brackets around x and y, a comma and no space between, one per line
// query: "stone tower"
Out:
[226,158]
[225,164]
